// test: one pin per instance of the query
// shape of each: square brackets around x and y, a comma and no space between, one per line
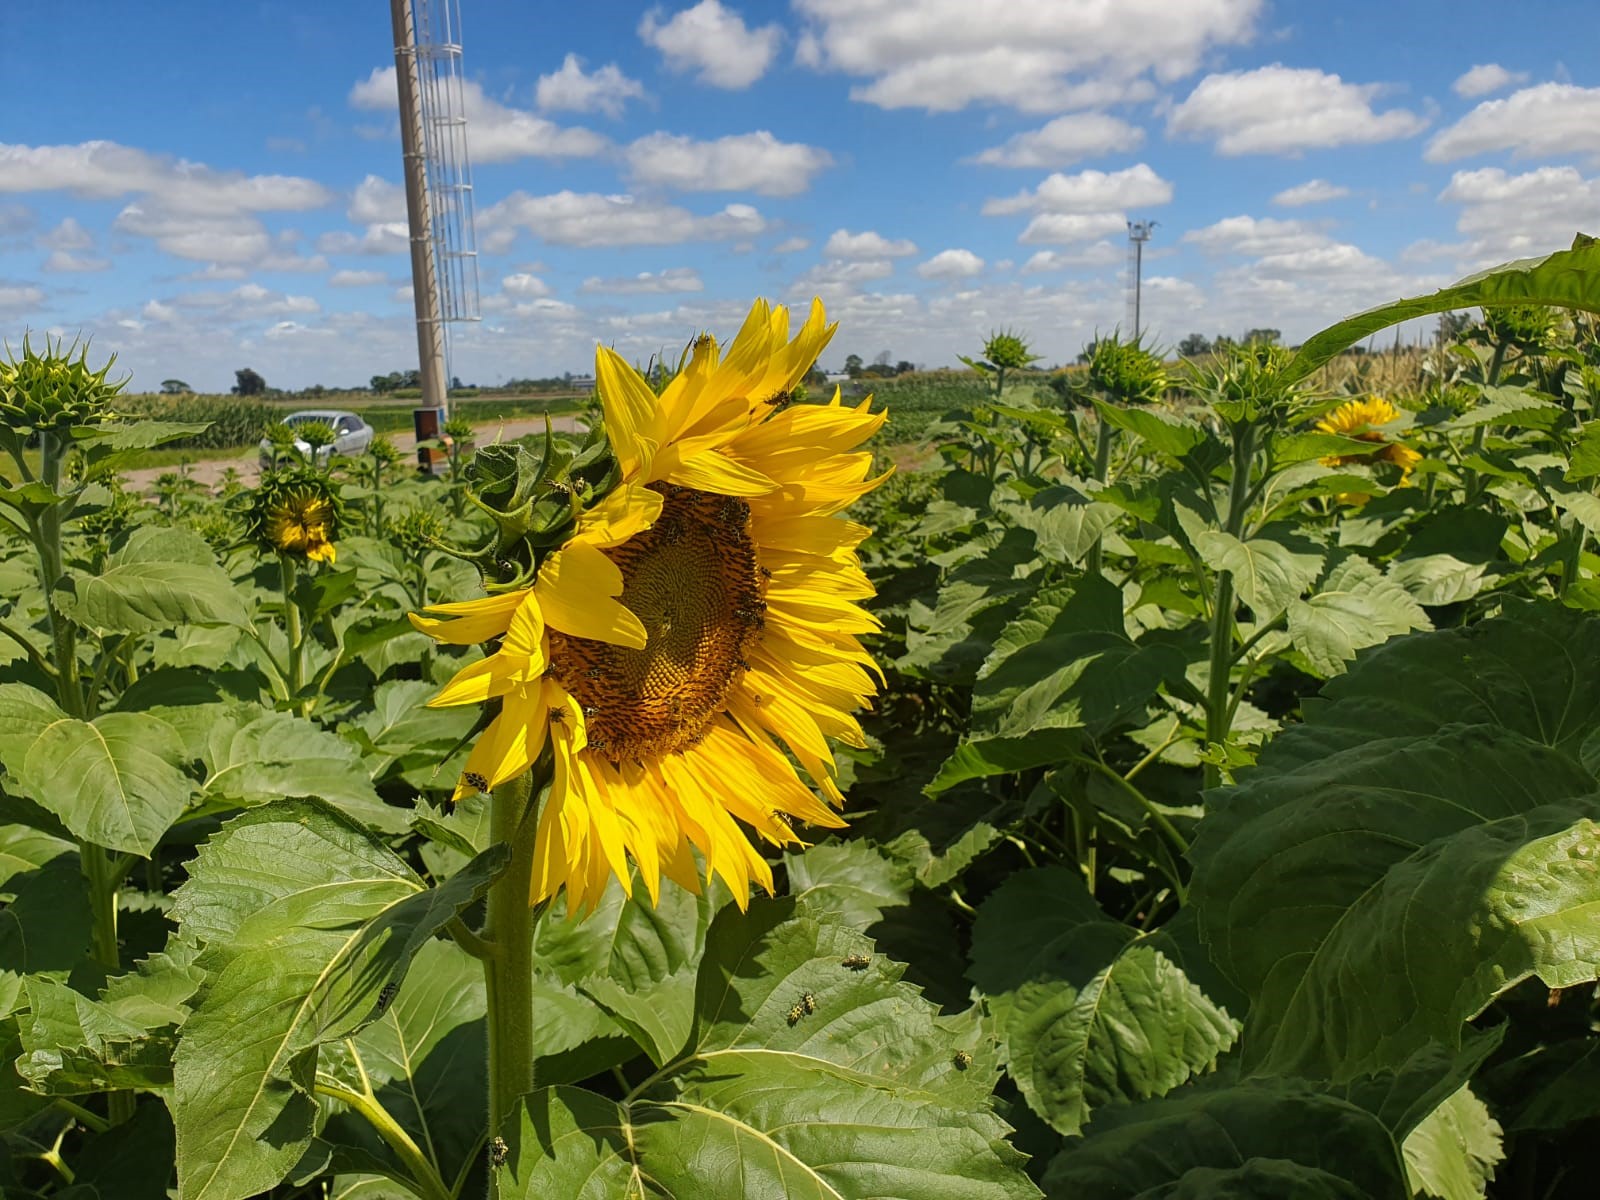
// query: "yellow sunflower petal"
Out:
[577,592]
[630,408]
[710,471]
[629,509]
[473,621]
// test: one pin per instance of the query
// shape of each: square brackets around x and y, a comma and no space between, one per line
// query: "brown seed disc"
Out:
[693,581]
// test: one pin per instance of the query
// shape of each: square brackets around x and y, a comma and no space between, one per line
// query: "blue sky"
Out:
[205,186]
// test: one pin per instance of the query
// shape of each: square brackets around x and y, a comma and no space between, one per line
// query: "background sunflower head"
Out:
[296,513]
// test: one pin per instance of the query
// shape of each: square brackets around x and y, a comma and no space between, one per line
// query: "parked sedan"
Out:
[351,435]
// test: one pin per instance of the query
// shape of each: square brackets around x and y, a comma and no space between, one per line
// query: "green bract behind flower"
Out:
[1125,371]
[384,450]
[1526,326]
[418,529]
[54,389]
[1009,351]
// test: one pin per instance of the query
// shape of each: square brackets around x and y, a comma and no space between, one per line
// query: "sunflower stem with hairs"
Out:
[53,395]
[507,937]
[293,630]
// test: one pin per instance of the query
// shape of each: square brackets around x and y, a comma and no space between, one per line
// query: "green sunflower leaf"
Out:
[115,781]
[1088,1010]
[1567,279]
[305,919]
[863,1092]
[1266,1139]
[1426,840]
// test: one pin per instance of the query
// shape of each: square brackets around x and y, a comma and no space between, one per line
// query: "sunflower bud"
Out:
[54,390]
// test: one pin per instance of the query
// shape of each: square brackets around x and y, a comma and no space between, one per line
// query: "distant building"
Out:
[838,377]
[582,383]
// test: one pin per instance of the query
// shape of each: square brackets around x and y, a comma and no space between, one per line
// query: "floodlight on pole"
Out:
[1138,234]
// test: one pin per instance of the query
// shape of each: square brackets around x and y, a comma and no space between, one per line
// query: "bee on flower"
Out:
[696,627]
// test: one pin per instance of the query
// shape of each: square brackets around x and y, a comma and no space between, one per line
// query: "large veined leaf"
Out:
[635,959]
[305,918]
[1425,841]
[1272,1139]
[424,1061]
[1064,663]
[72,1044]
[1356,606]
[1064,519]
[859,1093]
[114,781]
[1566,279]
[144,596]
[1088,1010]
[976,599]
[1453,1152]
[1270,571]
[252,757]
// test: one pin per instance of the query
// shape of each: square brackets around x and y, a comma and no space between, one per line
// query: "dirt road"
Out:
[247,462]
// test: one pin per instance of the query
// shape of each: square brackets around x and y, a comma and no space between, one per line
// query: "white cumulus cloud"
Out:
[1485,78]
[1087,192]
[1032,55]
[672,281]
[868,244]
[570,218]
[1286,110]
[357,278]
[746,162]
[1312,191]
[571,89]
[714,43]
[1547,120]
[1065,141]
[951,264]
[524,284]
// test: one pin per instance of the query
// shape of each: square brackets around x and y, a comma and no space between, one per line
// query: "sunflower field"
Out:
[1167,779]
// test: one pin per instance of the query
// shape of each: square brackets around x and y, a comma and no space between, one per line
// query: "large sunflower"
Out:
[699,621]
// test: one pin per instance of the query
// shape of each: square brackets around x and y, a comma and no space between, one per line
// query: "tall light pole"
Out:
[419,214]
[1138,234]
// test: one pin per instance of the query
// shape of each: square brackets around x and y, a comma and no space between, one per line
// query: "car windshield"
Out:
[299,419]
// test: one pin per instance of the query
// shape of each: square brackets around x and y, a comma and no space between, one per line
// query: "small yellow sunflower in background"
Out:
[1358,419]
[301,522]
[701,620]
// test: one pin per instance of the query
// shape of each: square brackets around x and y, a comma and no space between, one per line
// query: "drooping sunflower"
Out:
[301,523]
[1360,419]
[700,621]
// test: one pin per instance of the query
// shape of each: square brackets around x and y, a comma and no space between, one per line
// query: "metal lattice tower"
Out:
[1138,234]
[439,203]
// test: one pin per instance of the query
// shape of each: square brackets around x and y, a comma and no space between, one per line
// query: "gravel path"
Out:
[209,471]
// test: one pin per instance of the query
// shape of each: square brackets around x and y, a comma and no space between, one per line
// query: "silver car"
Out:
[351,435]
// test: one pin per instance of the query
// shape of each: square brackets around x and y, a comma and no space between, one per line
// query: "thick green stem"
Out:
[1219,710]
[51,568]
[424,1174]
[508,929]
[1471,481]
[1104,436]
[103,879]
[292,630]
[1572,562]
